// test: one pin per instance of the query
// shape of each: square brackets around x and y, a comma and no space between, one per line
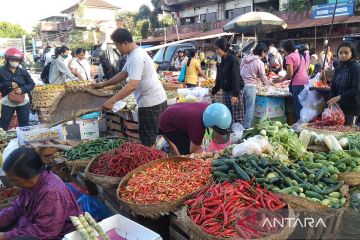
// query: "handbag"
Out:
[181,77]
[16,98]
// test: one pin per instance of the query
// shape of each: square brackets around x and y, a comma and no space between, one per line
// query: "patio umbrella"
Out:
[258,22]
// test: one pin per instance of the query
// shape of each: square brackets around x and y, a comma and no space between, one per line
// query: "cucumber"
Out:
[307,171]
[312,194]
[305,186]
[333,170]
[218,174]
[241,173]
[223,169]
[329,181]
[313,165]
[281,175]
[271,175]
[326,202]
[342,201]
[301,175]
[301,163]
[334,177]
[335,195]
[229,162]
[354,153]
[319,156]
[332,189]
[311,176]
[315,200]
[320,174]
[218,163]
[257,167]
[348,169]
[253,171]
[334,200]
[302,195]
[233,175]
[324,162]
[263,163]
[261,180]
[274,179]
[291,189]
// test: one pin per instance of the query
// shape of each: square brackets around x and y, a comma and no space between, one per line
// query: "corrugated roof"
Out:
[92,3]
[307,23]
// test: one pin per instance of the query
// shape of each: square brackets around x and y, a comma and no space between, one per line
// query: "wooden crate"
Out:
[131,125]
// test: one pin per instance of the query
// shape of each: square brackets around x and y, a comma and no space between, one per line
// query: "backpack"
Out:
[45,73]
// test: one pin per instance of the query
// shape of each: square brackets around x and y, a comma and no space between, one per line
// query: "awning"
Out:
[198,38]
[307,23]
[182,36]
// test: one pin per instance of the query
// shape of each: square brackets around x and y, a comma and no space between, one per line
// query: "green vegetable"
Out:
[335,195]
[241,173]
[218,174]
[312,194]
[291,189]
[223,168]
[326,202]
[332,189]
[271,175]
[320,174]
[342,201]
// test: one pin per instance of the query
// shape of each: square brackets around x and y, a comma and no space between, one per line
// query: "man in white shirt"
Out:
[143,81]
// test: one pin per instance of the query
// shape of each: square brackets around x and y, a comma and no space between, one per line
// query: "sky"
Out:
[27,13]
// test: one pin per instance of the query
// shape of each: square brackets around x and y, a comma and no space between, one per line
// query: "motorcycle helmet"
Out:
[13,53]
[218,117]
[97,56]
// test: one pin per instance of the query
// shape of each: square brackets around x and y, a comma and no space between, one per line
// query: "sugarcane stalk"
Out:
[97,227]
[80,228]
[88,228]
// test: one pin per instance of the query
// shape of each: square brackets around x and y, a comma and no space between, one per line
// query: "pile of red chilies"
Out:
[122,160]
[220,210]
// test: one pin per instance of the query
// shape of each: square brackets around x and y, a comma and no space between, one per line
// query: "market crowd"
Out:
[45,204]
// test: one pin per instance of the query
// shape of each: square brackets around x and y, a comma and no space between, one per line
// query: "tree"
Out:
[296,6]
[144,13]
[144,28]
[168,21]
[127,20]
[9,30]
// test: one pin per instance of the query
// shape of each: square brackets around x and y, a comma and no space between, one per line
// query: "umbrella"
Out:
[258,22]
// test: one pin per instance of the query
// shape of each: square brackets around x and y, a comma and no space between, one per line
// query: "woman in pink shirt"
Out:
[296,71]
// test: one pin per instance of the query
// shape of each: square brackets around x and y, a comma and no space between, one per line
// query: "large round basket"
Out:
[306,126]
[196,233]
[77,165]
[154,211]
[352,178]
[312,210]
[101,180]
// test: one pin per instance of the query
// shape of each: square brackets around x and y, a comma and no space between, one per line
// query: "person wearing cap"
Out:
[15,86]
[180,60]
[183,125]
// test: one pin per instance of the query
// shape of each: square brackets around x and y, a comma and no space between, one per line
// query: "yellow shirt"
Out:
[191,76]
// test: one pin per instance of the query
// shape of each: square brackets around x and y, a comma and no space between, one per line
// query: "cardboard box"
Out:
[89,129]
[269,106]
[123,226]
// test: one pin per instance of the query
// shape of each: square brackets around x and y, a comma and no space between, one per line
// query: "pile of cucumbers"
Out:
[304,179]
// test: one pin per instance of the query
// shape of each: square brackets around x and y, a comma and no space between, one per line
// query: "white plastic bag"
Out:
[237,132]
[312,104]
[118,106]
[252,146]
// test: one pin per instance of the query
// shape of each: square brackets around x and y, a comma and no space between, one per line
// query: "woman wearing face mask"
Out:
[79,66]
[345,85]
[15,84]
[228,79]
[252,70]
[59,72]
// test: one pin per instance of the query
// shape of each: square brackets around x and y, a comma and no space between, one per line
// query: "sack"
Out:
[333,115]
[16,98]
[181,77]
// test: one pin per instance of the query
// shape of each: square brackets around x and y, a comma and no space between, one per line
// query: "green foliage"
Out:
[296,6]
[9,30]
[143,13]
[168,21]
[78,39]
[127,20]
[144,28]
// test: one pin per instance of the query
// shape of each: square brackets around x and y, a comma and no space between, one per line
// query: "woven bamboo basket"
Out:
[196,233]
[77,165]
[44,99]
[308,209]
[154,211]
[305,126]
[352,178]
[102,180]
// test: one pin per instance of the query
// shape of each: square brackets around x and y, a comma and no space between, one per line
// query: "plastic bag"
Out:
[312,104]
[181,77]
[237,132]
[333,115]
[94,206]
[252,146]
